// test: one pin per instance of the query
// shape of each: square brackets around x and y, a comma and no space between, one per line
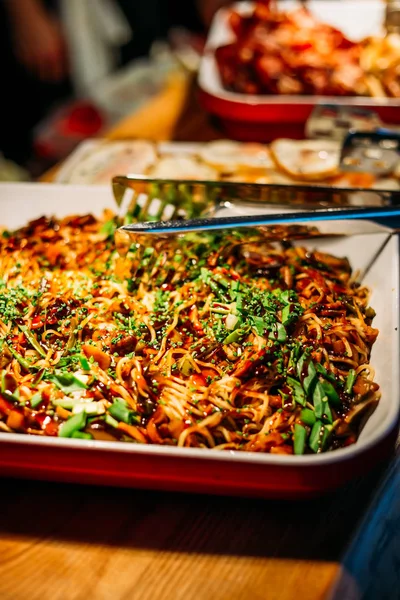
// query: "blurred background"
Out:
[72,68]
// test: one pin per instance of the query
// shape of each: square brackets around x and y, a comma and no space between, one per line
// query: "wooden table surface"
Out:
[67,542]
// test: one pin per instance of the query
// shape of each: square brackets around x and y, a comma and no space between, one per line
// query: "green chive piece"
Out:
[327,413]
[308,416]
[33,341]
[81,435]
[331,393]
[259,324]
[75,423]
[235,287]
[350,381]
[235,336]
[299,366]
[319,399]
[36,400]
[326,374]
[24,363]
[310,380]
[298,391]
[294,355]
[315,441]
[111,421]
[278,333]
[67,403]
[299,440]
[285,297]
[325,436]
[84,363]
[120,411]
[287,315]
[67,382]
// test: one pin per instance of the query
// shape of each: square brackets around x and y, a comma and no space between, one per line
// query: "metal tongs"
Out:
[383,214]
[142,199]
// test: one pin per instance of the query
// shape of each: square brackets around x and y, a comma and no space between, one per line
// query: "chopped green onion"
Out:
[321,369]
[287,315]
[285,296]
[278,333]
[67,382]
[300,364]
[259,324]
[325,436]
[327,413]
[315,441]
[308,416]
[90,408]
[111,421]
[319,398]
[33,341]
[36,400]
[84,363]
[299,438]
[24,363]
[67,403]
[222,281]
[331,393]
[235,336]
[310,379]
[120,411]
[350,381]
[298,391]
[294,353]
[235,287]
[73,424]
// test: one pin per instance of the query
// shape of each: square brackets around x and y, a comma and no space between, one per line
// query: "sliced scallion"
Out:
[33,341]
[315,440]
[299,366]
[36,400]
[24,363]
[350,381]
[278,333]
[298,391]
[84,363]
[111,421]
[120,411]
[319,398]
[311,378]
[67,382]
[299,438]
[308,416]
[75,423]
[331,393]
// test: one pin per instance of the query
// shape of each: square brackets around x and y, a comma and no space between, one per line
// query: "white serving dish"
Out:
[207,470]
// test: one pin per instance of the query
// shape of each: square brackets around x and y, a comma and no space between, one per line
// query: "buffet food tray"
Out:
[211,471]
[265,117]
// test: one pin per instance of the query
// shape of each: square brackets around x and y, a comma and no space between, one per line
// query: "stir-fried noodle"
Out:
[223,340]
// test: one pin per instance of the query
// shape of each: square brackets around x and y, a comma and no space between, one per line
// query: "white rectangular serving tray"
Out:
[160,467]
